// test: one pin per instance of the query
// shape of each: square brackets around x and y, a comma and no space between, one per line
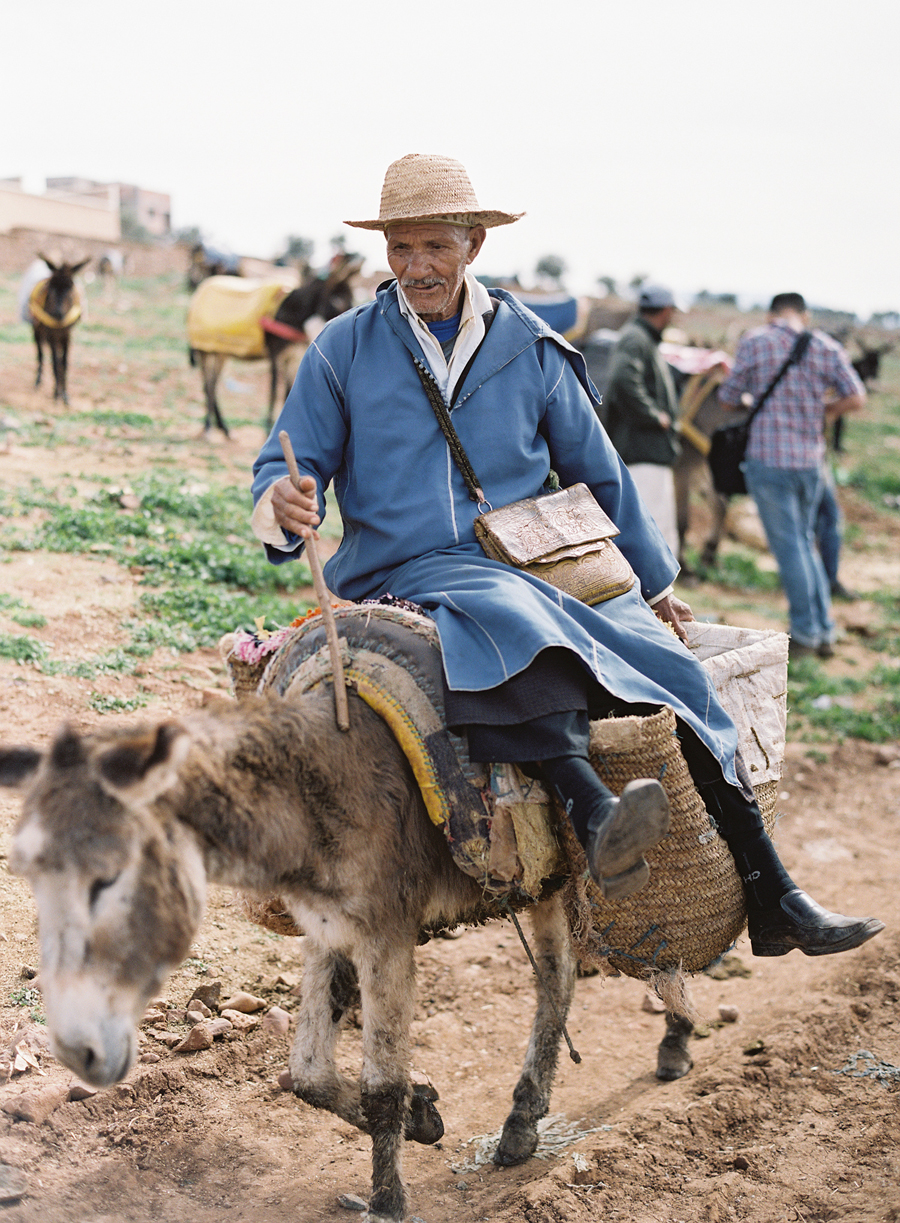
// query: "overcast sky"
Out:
[736,147]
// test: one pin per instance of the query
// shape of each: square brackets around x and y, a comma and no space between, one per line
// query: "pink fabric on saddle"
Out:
[690,360]
[284,330]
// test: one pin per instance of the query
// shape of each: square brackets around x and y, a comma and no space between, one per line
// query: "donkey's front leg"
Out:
[387,987]
[40,357]
[61,367]
[329,989]
[531,1098]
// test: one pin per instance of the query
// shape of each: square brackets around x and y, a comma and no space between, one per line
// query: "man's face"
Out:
[430,263]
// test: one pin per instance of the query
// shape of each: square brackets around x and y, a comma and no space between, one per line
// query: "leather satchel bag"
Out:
[565,538]
[728,444]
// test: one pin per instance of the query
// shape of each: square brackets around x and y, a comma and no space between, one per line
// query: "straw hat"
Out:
[427,187]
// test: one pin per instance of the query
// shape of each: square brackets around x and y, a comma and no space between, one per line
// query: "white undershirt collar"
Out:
[476,302]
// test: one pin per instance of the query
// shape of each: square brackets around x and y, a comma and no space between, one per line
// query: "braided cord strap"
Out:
[441,411]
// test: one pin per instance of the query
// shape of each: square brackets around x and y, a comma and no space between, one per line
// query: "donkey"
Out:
[54,307]
[868,367]
[323,297]
[700,414]
[121,829]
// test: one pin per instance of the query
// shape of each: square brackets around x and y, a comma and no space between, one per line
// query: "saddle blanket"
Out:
[225,313]
[498,822]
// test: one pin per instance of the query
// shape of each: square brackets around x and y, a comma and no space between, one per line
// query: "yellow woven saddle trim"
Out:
[38,300]
[407,735]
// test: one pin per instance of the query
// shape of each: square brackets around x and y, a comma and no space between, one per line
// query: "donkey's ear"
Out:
[146,762]
[76,267]
[18,765]
[49,262]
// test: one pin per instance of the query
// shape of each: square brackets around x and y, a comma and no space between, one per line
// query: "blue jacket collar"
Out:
[514,329]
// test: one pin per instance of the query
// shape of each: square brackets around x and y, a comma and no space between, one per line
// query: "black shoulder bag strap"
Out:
[796,354]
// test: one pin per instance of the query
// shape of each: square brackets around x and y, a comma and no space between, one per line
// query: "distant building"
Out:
[77,214]
[150,210]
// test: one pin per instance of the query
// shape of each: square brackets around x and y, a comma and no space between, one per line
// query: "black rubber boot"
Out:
[615,832]
[619,838]
[780,916]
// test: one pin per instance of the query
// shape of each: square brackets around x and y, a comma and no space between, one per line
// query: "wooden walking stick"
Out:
[341,711]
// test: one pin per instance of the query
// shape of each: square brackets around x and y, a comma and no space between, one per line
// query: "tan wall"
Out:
[17,249]
[19,209]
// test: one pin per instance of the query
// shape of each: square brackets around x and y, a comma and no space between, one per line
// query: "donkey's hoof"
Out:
[518,1142]
[424,1124]
[673,1062]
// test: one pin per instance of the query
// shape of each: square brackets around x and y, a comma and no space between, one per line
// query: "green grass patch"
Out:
[22,649]
[871,462]
[844,707]
[30,997]
[878,486]
[179,532]
[20,612]
[192,615]
[129,420]
[735,570]
[122,661]
[100,702]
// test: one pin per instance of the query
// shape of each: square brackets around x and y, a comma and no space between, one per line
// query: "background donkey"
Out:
[54,307]
[324,297]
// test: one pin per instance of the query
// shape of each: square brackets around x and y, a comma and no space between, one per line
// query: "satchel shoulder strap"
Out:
[442,412]
[798,348]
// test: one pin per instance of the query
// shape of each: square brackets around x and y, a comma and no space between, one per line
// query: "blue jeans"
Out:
[788,501]
[829,522]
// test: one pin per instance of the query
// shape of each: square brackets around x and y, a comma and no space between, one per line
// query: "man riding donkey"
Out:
[526,664]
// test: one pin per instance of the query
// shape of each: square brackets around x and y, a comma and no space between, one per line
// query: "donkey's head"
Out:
[119,885]
[61,294]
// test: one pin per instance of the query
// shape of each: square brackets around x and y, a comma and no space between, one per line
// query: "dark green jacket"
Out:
[639,390]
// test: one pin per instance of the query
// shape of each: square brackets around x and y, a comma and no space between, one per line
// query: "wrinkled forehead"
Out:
[427,231]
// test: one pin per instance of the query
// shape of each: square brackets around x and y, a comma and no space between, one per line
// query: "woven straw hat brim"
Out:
[428,188]
[489,219]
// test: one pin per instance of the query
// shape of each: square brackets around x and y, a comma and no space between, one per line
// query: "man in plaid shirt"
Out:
[783,468]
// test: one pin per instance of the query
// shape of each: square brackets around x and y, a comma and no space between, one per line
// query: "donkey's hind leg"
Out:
[387,985]
[673,1059]
[211,366]
[329,990]
[719,506]
[531,1098]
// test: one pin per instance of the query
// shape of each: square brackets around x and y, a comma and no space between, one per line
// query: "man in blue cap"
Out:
[641,404]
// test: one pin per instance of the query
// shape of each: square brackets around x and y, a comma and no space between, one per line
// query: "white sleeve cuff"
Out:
[264,526]
[662,594]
